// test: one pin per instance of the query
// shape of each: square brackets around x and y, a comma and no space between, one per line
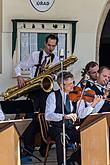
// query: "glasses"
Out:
[72,83]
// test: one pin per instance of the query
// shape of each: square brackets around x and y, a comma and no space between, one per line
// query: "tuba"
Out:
[43,80]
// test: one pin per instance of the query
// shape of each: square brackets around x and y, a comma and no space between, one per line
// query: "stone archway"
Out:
[101,40]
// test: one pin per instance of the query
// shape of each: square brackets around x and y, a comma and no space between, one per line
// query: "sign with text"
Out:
[42,5]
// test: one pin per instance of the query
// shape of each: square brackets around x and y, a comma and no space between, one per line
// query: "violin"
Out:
[76,94]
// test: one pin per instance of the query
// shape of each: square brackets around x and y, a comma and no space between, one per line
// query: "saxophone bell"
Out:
[47,83]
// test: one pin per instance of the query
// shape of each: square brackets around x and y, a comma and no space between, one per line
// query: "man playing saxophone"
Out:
[36,64]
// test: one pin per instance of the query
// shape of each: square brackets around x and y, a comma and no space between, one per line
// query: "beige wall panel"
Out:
[0,36]
[88,14]
[83,11]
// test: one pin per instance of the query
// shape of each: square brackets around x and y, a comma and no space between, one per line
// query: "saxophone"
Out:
[43,80]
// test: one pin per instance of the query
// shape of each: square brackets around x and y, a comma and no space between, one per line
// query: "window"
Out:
[29,35]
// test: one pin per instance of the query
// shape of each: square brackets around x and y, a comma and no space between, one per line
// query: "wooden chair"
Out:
[44,125]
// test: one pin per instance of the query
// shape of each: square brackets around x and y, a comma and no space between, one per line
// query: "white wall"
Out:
[88,14]
[0,36]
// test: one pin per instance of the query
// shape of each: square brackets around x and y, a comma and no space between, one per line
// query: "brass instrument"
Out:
[43,80]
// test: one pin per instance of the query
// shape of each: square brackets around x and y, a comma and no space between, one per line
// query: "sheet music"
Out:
[24,44]
[28,43]
[33,42]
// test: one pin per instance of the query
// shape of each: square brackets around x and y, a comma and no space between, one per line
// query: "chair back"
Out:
[43,126]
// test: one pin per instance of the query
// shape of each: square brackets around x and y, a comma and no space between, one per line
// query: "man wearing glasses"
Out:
[54,114]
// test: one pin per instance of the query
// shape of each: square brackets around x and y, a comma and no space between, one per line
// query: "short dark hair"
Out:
[102,68]
[53,37]
[65,75]
[90,64]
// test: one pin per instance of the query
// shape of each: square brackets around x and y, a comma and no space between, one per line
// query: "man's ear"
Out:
[87,73]
[97,74]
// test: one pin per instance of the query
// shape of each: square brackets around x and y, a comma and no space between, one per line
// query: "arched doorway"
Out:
[104,47]
[103,37]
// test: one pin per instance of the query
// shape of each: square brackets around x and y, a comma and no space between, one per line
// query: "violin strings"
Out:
[81,96]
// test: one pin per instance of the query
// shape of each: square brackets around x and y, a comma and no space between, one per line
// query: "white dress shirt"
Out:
[30,61]
[83,111]
[2,116]
[50,114]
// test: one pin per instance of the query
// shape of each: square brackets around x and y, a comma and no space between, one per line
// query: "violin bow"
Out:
[82,94]
[84,76]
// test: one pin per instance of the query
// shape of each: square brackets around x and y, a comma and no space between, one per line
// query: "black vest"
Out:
[68,123]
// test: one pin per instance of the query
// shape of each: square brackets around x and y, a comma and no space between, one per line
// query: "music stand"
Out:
[10,132]
[17,107]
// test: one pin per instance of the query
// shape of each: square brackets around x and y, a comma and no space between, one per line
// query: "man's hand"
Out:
[21,81]
[72,116]
[96,100]
[107,90]
[108,86]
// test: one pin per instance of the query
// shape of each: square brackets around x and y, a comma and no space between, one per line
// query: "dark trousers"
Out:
[55,133]
[28,136]
[39,100]
[76,156]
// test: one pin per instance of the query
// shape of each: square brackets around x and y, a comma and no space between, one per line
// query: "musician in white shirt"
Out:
[2,116]
[54,113]
[35,64]
[101,89]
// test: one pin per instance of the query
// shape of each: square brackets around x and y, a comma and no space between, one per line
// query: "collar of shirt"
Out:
[100,88]
[63,95]
[45,55]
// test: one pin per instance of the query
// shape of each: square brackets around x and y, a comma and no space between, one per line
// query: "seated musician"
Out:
[54,114]
[36,64]
[2,116]
[91,70]
[99,103]
[89,106]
